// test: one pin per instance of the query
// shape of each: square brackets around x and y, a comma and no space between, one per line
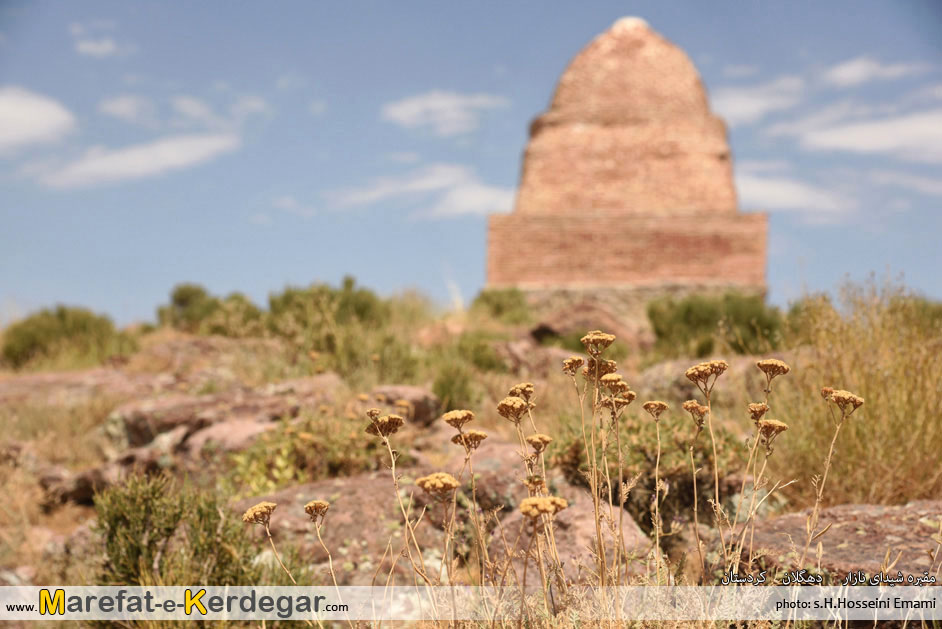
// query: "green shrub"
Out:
[454,386]
[693,325]
[321,445]
[156,531]
[508,305]
[477,347]
[73,336]
[190,305]
[236,317]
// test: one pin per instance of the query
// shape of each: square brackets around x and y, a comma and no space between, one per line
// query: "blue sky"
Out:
[248,146]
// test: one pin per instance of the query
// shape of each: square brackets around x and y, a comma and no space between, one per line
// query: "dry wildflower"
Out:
[307,436]
[512,408]
[535,483]
[457,419]
[571,365]
[610,379]
[471,439]
[375,358]
[655,408]
[316,509]
[621,401]
[757,410]
[385,425]
[769,429]
[537,506]
[596,341]
[697,412]
[363,397]
[701,373]
[539,441]
[438,484]
[260,513]
[380,397]
[404,404]
[324,409]
[373,413]
[827,392]
[599,365]
[846,400]
[773,367]
[524,390]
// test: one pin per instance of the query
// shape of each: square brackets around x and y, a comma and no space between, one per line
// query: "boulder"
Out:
[364,517]
[424,405]
[860,538]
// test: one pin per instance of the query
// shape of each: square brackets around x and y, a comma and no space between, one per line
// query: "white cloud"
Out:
[915,136]
[788,194]
[317,107]
[129,108]
[100,48]
[915,183]
[195,110]
[446,189]
[246,106]
[91,40]
[30,118]
[739,71]
[288,203]
[100,165]
[290,81]
[403,157]
[446,113]
[865,69]
[745,105]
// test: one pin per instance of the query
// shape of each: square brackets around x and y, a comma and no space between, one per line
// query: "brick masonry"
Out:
[626,191]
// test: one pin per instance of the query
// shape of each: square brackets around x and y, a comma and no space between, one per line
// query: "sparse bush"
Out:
[322,445]
[190,305]
[616,351]
[236,317]
[454,386]
[63,336]
[156,531]
[508,305]
[693,325]
[477,347]
[883,343]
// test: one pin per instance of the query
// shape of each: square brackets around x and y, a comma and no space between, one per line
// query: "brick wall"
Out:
[606,250]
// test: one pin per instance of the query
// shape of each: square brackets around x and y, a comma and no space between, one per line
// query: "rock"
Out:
[364,516]
[228,436]
[425,406]
[859,538]
[528,359]
[141,421]
[578,319]
[77,387]
[575,534]
[666,380]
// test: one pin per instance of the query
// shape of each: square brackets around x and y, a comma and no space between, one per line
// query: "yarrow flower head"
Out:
[596,342]
[655,408]
[697,412]
[471,439]
[701,373]
[846,400]
[539,441]
[539,505]
[438,484]
[385,425]
[512,408]
[524,391]
[769,429]
[773,367]
[260,513]
[757,410]
[316,509]
[571,365]
[600,366]
[457,419]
